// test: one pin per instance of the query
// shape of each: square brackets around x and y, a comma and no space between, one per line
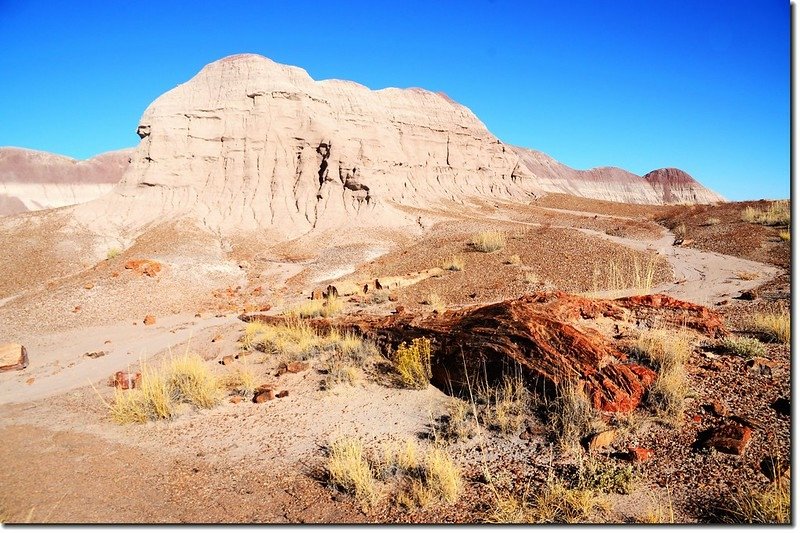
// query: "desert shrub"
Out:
[240,381]
[606,476]
[711,222]
[455,264]
[668,351]
[459,423]
[744,347]
[504,408]
[349,470]
[489,241]
[442,475]
[379,296]
[746,275]
[764,505]
[326,307]
[785,235]
[515,260]
[112,253]
[558,503]
[413,362]
[776,214]
[777,326]
[571,416]
[183,380]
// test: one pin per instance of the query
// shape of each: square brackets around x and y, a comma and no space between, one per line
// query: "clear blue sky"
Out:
[702,85]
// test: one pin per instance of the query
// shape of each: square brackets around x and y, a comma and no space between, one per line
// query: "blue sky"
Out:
[702,85]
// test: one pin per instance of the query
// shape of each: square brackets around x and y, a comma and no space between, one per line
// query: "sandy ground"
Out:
[66,462]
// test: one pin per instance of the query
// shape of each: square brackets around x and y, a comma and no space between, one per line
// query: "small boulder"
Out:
[94,355]
[13,357]
[88,286]
[316,294]
[264,395]
[148,267]
[718,408]
[639,455]
[297,366]
[601,440]
[393,297]
[749,295]
[149,320]
[282,394]
[236,399]
[126,380]
[730,438]
[227,360]
[265,308]
[760,366]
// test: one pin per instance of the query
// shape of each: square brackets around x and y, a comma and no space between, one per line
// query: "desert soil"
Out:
[65,461]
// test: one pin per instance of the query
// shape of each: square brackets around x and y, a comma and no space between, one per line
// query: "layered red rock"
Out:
[677,187]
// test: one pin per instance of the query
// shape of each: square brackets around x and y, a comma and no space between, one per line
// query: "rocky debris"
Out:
[775,468]
[94,355]
[88,286]
[126,380]
[13,357]
[146,267]
[782,406]
[751,294]
[30,381]
[345,288]
[282,394]
[317,294]
[760,366]
[731,438]
[393,297]
[227,360]
[264,394]
[76,309]
[601,440]
[236,399]
[149,320]
[718,408]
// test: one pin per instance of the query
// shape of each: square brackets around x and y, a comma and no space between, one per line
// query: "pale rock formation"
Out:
[31,180]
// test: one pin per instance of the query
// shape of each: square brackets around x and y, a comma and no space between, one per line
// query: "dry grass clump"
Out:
[776,214]
[765,505]
[558,503]
[668,351]
[183,380]
[606,476]
[785,235]
[349,355]
[514,260]
[326,307]
[443,475]
[624,274]
[112,253]
[458,424]
[504,408]
[435,301]
[489,241]
[711,222]
[744,347]
[455,264]
[777,326]
[378,297]
[413,362]
[657,513]
[679,231]
[531,278]
[349,470]
[240,381]
[746,275]
[510,508]
[571,416]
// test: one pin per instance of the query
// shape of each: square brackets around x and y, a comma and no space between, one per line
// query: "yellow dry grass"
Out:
[776,325]
[769,504]
[326,307]
[443,475]
[668,351]
[349,470]
[776,214]
[455,263]
[489,241]
[413,363]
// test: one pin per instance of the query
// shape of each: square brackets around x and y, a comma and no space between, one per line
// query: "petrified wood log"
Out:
[549,337]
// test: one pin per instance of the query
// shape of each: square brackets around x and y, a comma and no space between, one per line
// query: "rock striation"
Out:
[31,180]
[250,144]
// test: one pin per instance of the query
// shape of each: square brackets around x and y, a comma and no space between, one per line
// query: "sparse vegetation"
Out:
[435,301]
[531,278]
[776,214]
[668,351]
[769,504]
[679,231]
[743,346]
[442,475]
[183,380]
[349,470]
[112,253]
[349,354]
[785,235]
[746,275]
[455,264]
[459,423]
[240,381]
[630,273]
[571,416]
[514,260]
[776,326]
[657,513]
[504,408]
[413,362]
[326,307]
[558,503]
[711,222]
[489,241]
[606,476]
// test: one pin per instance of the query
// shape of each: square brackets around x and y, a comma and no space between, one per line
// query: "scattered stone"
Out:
[722,302]
[393,297]
[126,380]
[88,286]
[602,439]
[399,310]
[236,399]
[148,267]
[217,337]
[30,381]
[282,394]
[697,419]
[149,320]
[115,274]
[265,308]
[775,468]
[760,366]
[107,342]
[77,309]
[730,438]
[782,406]
[13,357]
[227,360]
[297,366]
[198,315]
[94,355]
[749,295]
[717,407]
[639,455]
[257,291]
[316,294]
[264,396]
